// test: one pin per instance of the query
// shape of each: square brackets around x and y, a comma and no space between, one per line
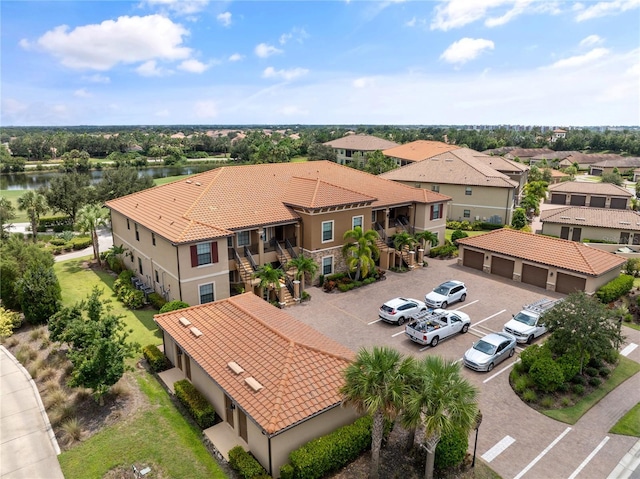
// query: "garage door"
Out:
[596,171]
[534,275]
[567,283]
[578,200]
[597,201]
[473,259]
[502,267]
[558,199]
[619,203]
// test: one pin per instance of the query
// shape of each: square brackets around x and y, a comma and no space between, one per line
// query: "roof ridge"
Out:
[282,385]
[315,191]
[206,189]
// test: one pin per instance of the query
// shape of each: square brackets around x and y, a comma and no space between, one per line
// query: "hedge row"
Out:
[615,288]
[200,409]
[125,292]
[158,362]
[246,465]
[473,226]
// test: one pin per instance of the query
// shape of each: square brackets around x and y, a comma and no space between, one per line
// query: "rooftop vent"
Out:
[184,321]
[189,181]
[235,367]
[581,219]
[564,217]
[198,183]
[625,223]
[196,332]
[253,384]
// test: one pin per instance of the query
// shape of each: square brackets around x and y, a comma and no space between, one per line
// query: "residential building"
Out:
[518,172]
[417,151]
[352,147]
[273,380]
[580,223]
[622,164]
[201,239]
[525,154]
[558,134]
[552,159]
[478,192]
[558,176]
[586,193]
[585,160]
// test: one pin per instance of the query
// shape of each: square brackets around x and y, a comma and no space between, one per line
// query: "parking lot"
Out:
[515,439]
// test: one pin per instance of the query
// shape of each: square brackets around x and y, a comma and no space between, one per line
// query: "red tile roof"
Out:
[361,142]
[299,367]
[315,193]
[419,150]
[590,188]
[564,254]
[627,220]
[215,203]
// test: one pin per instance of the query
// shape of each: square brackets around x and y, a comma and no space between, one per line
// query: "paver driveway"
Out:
[515,439]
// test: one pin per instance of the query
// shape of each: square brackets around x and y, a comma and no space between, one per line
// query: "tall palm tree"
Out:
[360,251]
[402,239]
[444,401]
[90,218]
[35,205]
[269,277]
[425,237]
[304,265]
[375,383]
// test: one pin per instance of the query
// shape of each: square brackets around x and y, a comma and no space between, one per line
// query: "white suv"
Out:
[399,310]
[445,294]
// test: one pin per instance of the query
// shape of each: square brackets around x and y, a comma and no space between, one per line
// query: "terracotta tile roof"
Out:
[555,155]
[590,188]
[626,162]
[315,193]
[457,167]
[528,152]
[361,142]
[591,158]
[215,203]
[564,254]
[596,217]
[300,368]
[501,164]
[419,150]
[558,174]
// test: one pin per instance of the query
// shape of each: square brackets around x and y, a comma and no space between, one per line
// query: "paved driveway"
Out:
[515,439]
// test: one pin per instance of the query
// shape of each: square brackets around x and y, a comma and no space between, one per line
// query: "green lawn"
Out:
[570,415]
[448,232]
[629,424]
[13,195]
[299,159]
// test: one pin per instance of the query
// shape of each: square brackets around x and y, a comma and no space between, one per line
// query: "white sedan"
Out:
[399,310]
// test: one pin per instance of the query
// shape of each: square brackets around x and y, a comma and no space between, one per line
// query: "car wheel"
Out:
[490,367]
[400,320]
[465,328]
[512,352]
[423,310]
[444,305]
[463,297]
[434,342]
[530,339]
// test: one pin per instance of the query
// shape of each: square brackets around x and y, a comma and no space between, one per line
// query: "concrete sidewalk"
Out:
[28,447]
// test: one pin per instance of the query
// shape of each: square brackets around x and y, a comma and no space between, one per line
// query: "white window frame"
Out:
[468,191]
[330,258]
[213,291]
[332,231]
[466,213]
[353,222]
[435,188]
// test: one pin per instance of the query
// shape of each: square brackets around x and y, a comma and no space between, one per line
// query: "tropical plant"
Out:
[360,251]
[90,218]
[425,237]
[304,265]
[35,205]
[402,240]
[7,213]
[376,383]
[269,277]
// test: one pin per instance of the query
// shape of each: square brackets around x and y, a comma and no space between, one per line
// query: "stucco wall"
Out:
[588,232]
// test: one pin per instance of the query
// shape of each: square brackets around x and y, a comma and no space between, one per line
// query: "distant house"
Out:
[417,151]
[351,146]
[550,263]
[636,175]
[622,164]
[478,192]
[579,223]
[585,160]
[558,134]
[585,193]
[551,159]
[558,176]
[518,172]
[525,154]
[273,381]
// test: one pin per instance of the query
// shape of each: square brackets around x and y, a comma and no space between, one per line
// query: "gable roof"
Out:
[419,150]
[361,142]
[315,193]
[299,368]
[218,202]
[528,152]
[555,155]
[595,217]
[556,252]
[457,167]
[502,164]
[590,188]
[591,158]
[621,162]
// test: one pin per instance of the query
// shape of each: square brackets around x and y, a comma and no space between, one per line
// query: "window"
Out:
[357,221]
[140,265]
[436,211]
[243,238]
[229,242]
[327,231]
[348,154]
[373,217]
[467,213]
[132,258]
[467,191]
[153,239]
[435,188]
[157,277]
[206,293]
[128,224]
[137,232]
[327,265]
[203,254]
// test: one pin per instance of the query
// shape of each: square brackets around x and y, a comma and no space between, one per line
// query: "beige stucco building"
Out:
[587,193]
[580,223]
[352,146]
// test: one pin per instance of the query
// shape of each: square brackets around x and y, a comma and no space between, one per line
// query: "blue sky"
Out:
[320,62]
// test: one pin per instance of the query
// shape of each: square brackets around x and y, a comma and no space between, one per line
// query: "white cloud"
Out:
[580,60]
[286,75]
[411,23]
[602,9]
[363,82]
[26,44]
[264,50]
[519,8]
[292,110]
[205,109]
[297,34]
[125,40]
[182,7]
[82,93]
[150,69]
[591,40]
[224,18]
[193,66]
[236,57]
[97,78]
[466,49]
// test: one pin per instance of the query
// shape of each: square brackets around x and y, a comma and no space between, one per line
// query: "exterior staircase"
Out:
[245,270]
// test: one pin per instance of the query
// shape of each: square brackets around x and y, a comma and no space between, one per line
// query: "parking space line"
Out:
[466,304]
[626,351]
[489,317]
[500,372]
[496,450]
[397,334]
[374,322]
[543,453]
[588,458]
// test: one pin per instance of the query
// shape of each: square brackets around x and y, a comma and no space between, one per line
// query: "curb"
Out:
[628,464]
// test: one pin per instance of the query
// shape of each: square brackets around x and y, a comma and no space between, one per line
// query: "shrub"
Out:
[578,379]
[57,242]
[158,362]
[547,402]
[197,405]
[458,234]
[570,365]
[451,450]
[246,465]
[546,374]
[578,389]
[632,267]
[483,225]
[615,288]
[156,300]
[522,384]
[595,382]
[530,396]
[591,372]
[565,401]
[287,472]
[444,251]
[80,242]
[173,306]
[563,388]
[595,363]
[132,298]
[604,372]
[529,356]
[611,356]
[9,322]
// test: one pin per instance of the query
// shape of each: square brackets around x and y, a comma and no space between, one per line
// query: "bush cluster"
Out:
[173,306]
[200,409]
[473,226]
[80,242]
[156,300]
[56,223]
[158,362]
[246,465]
[444,251]
[451,450]
[9,321]
[615,288]
[126,293]
[458,234]
[344,283]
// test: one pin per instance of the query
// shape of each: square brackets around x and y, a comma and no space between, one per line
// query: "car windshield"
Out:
[443,290]
[525,318]
[485,347]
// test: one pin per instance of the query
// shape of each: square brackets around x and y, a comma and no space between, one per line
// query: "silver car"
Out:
[399,310]
[489,351]
[445,294]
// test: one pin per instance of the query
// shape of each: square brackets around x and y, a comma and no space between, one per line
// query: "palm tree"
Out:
[425,237]
[269,277]
[375,383]
[35,205]
[304,265]
[402,239]
[444,401]
[90,218]
[360,251]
